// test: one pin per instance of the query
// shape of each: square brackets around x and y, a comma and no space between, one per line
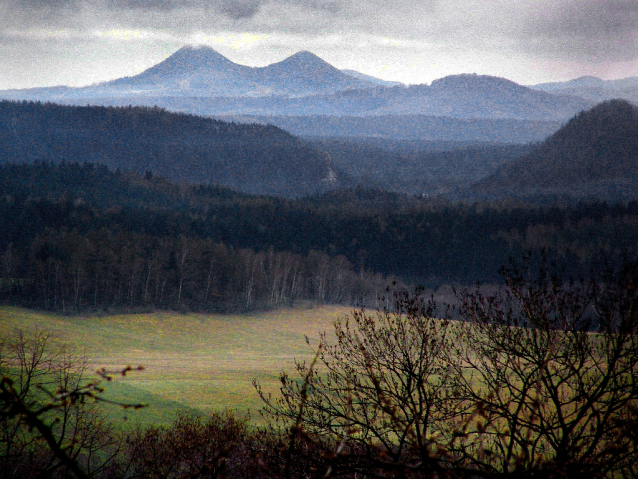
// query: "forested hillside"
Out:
[79,237]
[183,148]
[594,154]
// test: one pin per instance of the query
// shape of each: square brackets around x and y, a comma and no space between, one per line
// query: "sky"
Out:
[79,42]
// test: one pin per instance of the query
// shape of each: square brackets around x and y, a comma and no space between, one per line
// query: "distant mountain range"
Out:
[460,96]
[199,80]
[594,154]
[581,150]
[594,89]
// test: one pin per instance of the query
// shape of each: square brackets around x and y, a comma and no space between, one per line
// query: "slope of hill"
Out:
[189,71]
[251,158]
[482,96]
[376,81]
[595,153]
[305,73]
[426,169]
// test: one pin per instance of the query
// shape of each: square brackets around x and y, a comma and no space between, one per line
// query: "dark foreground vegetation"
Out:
[84,238]
[539,380]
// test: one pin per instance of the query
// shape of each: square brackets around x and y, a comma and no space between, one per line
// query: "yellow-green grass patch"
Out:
[194,362]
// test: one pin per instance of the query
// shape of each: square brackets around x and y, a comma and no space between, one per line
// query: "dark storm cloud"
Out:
[564,29]
[141,4]
[48,4]
[241,9]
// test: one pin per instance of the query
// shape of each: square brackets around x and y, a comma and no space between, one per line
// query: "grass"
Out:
[193,362]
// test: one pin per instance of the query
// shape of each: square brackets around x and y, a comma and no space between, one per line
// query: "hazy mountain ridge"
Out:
[204,82]
[484,96]
[480,97]
[594,88]
[594,154]
[410,127]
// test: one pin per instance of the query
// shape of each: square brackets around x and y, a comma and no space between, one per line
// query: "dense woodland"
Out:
[79,236]
[595,154]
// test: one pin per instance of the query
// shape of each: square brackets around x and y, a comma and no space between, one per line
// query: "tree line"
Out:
[65,270]
[81,236]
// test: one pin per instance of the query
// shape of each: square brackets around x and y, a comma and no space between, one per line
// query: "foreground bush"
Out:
[221,446]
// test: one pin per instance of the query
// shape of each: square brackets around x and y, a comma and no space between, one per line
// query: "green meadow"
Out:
[192,362]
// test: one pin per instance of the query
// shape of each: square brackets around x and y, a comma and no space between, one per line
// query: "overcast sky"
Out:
[78,42]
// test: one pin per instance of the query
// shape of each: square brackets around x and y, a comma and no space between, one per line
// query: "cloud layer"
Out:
[587,29]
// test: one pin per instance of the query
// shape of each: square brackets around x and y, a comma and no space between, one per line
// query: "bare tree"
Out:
[551,371]
[537,380]
[49,423]
[380,395]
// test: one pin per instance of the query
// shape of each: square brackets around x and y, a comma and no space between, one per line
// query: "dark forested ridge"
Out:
[594,154]
[253,158]
[81,237]
[256,159]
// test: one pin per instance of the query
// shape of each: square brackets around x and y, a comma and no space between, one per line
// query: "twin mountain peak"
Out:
[202,70]
[197,58]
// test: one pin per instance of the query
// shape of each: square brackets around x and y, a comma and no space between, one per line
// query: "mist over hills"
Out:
[465,96]
[409,127]
[462,96]
[594,154]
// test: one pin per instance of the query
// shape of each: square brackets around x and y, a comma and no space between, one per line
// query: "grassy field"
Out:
[192,362]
